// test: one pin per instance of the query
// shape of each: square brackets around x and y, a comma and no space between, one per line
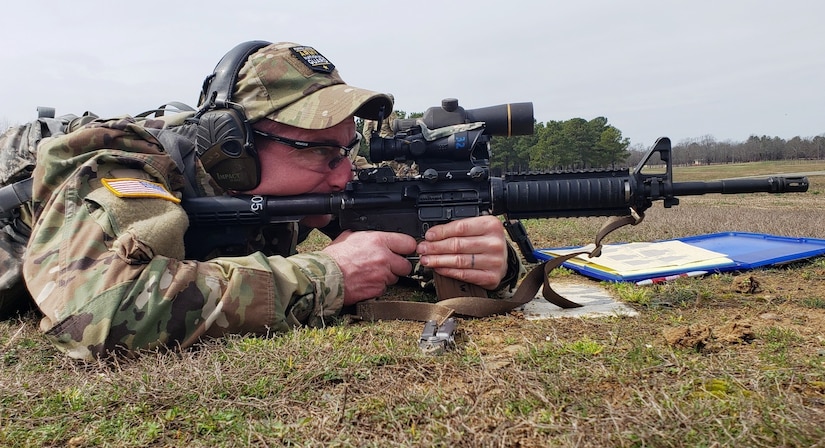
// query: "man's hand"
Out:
[370,261]
[473,250]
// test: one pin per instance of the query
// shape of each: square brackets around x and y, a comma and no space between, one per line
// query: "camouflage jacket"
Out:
[109,273]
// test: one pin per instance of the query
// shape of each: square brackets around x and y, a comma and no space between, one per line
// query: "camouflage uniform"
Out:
[110,275]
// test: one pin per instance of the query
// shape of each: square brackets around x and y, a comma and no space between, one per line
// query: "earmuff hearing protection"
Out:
[224,141]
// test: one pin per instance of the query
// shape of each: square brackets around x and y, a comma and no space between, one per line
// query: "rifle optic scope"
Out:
[409,142]
[504,119]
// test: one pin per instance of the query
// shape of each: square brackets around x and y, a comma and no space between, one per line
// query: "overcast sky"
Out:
[682,69]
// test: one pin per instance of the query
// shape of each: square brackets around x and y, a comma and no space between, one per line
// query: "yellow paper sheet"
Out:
[645,258]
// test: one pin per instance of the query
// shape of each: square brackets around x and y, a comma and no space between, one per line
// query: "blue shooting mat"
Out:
[717,252]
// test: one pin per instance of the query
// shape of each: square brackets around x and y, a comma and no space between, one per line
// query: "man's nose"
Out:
[340,175]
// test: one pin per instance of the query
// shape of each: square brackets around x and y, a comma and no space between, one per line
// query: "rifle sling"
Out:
[453,295]
[471,306]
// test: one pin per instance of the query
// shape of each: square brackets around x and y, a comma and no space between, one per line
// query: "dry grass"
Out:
[511,382]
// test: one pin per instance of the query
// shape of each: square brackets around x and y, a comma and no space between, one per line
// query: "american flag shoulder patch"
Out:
[138,188]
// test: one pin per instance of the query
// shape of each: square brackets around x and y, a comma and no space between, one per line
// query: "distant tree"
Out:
[611,148]
[578,138]
[765,148]
[513,153]
[548,152]
[818,147]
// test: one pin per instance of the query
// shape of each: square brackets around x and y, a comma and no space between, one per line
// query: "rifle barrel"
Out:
[749,185]
[613,195]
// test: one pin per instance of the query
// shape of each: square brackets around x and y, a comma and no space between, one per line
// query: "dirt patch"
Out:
[709,338]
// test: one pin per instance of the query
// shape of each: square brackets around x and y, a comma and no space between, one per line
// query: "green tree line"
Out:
[707,150]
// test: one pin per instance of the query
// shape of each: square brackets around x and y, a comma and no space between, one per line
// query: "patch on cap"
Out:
[138,188]
[312,59]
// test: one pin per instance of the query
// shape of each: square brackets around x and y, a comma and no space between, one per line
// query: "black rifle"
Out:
[451,147]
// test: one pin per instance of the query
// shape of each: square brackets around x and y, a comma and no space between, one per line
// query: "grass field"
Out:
[733,359]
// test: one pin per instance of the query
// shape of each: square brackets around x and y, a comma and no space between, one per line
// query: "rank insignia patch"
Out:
[138,188]
[312,59]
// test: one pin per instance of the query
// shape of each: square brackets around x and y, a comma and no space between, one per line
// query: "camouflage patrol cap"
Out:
[295,85]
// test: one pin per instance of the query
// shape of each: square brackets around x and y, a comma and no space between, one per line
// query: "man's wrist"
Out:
[515,269]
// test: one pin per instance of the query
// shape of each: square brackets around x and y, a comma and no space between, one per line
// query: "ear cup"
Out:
[224,140]
[225,151]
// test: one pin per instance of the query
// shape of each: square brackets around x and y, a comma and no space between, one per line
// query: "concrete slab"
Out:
[597,302]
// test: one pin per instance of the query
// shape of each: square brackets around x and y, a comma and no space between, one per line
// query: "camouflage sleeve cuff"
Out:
[515,270]
[327,281]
